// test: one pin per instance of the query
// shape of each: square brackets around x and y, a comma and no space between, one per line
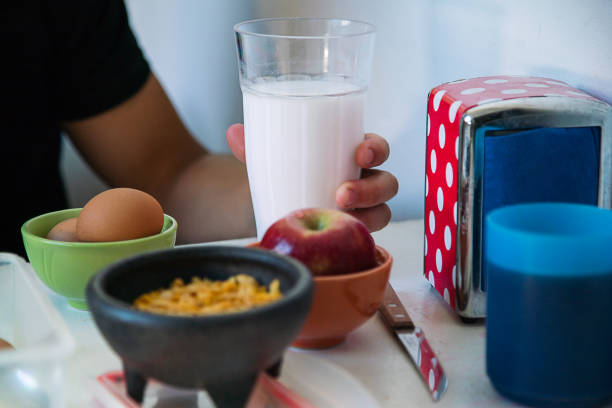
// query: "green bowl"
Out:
[66,267]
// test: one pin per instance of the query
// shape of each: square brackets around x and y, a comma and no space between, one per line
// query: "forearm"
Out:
[210,199]
[143,144]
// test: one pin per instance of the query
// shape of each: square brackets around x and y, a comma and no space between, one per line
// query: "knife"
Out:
[413,340]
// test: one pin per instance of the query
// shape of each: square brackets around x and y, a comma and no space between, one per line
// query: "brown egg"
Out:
[119,214]
[64,231]
[5,344]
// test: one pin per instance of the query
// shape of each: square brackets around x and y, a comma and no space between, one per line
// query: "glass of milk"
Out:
[303,82]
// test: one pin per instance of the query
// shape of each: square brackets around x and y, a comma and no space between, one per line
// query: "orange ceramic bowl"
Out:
[342,303]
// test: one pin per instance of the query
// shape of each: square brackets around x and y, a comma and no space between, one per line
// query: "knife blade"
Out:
[414,342]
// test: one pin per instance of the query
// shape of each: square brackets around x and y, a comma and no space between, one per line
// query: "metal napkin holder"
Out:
[484,108]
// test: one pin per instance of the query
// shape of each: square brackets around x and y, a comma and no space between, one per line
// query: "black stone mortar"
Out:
[220,353]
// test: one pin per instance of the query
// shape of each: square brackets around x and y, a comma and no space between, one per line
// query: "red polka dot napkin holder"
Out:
[454,110]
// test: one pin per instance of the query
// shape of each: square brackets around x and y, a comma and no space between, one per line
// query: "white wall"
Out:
[420,44]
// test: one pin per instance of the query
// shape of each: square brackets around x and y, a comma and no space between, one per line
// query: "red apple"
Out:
[327,241]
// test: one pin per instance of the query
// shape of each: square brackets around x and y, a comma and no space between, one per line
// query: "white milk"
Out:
[300,140]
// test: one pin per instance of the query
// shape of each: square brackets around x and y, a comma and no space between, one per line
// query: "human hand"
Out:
[364,198]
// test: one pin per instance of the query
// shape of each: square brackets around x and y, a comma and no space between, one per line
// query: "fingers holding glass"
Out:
[373,151]
[374,188]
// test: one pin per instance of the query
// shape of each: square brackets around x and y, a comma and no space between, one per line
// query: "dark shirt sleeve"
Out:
[96,60]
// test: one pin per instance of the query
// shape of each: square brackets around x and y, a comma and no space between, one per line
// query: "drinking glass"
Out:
[549,303]
[303,82]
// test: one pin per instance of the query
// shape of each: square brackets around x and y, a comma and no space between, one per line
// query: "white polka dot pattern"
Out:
[433,161]
[442,153]
[457,148]
[432,222]
[495,81]
[446,107]
[438,99]
[449,174]
[452,111]
[472,91]
[447,238]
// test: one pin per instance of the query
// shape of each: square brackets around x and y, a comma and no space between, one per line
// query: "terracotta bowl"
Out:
[342,303]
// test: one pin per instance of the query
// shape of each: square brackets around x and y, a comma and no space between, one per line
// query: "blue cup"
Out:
[549,303]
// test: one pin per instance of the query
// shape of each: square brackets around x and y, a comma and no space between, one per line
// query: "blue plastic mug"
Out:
[549,303]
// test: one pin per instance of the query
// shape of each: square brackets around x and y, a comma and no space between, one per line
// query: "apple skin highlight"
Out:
[327,241]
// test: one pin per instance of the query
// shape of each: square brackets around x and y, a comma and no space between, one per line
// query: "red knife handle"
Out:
[394,312]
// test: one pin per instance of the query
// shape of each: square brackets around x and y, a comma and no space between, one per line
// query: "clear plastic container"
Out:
[31,374]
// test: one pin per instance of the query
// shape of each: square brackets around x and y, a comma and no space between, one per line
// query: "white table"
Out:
[370,354]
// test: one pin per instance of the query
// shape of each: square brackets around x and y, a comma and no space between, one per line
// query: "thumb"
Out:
[235,140]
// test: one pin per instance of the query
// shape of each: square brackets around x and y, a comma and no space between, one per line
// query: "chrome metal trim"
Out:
[520,113]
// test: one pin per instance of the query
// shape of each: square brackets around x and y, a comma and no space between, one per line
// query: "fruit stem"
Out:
[314,223]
